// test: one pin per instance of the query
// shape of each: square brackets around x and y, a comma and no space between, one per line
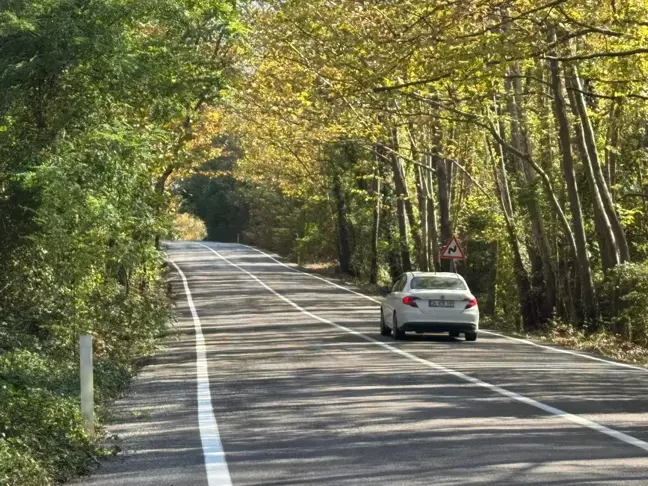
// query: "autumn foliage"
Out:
[371,132]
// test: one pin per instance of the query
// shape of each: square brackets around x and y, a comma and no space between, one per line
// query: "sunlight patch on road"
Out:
[576,419]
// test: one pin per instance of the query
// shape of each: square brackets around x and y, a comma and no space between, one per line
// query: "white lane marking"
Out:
[311,275]
[215,462]
[510,338]
[628,439]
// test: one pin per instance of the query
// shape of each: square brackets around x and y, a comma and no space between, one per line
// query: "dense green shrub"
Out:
[48,426]
[19,468]
[40,416]
[624,303]
[41,433]
[96,107]
[189,227]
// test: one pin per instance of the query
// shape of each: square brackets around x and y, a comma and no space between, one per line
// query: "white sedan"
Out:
[429,302]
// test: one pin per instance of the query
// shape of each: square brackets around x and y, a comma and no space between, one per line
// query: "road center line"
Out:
[215,462]
[628,439]
[510,338]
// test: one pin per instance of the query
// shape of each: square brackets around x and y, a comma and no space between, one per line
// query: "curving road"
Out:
[289,376]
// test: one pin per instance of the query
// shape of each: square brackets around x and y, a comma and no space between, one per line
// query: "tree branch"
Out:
[509,20]
[599,55]
[382,89]
[590,28]
[635,194]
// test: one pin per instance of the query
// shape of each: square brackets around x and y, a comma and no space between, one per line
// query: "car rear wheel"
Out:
[454,334]
[471,336]
[384,330]
[397,333]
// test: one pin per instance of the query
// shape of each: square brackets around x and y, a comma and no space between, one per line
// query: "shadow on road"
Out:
[300,402]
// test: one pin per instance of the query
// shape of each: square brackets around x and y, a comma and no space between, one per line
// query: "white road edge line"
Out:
[510,338]
[628,439]
[215,462]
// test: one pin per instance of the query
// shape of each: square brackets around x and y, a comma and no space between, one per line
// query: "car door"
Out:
[394,298]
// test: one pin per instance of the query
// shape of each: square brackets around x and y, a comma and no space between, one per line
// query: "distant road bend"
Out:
[282,378]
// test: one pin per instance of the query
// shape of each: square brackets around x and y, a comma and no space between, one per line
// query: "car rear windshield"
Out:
[441,283]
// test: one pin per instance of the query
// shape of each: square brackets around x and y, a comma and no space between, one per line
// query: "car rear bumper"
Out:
[415,320]
[439,327]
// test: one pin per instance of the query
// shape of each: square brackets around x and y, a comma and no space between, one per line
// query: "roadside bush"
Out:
[42,440]
[19,468]
[23,369]
[111,378]
[189,227]
[89,135]
[49,427]
[40,420]
[314,246]
[624,301]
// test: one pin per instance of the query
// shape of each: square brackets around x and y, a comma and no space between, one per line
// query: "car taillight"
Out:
[472,302]
[411,301]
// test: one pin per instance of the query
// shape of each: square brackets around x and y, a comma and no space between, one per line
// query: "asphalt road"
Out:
[305,391]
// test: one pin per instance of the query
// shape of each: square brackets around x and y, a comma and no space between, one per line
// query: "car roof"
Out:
[435,274]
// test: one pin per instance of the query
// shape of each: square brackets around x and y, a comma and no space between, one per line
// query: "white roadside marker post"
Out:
[87,384]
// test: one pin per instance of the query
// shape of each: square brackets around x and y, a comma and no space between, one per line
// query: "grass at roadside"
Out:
[603,343]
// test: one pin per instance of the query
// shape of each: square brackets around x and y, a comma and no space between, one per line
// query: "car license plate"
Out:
[442,303]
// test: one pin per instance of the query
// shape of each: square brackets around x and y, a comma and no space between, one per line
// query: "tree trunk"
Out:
[421,196]
[551,194]
[403,193]
[612,146]
[401,212]
[443,191]
[433,150]
[375,227]
[435,262]
[403,236]
[491,310]
[387,218]
[433,234]
[560,251]
[160,187]
[528,309]
[544,269]
[424,263]
[344,244]
[590,142]
[560,112]
[607,243]
[502,159]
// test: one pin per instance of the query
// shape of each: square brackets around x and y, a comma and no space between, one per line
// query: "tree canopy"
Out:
[97,103]
[371,132]
[364,133]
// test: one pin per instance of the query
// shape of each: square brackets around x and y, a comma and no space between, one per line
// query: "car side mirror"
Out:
[385,291]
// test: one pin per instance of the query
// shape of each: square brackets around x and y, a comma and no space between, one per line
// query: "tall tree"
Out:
[582,256]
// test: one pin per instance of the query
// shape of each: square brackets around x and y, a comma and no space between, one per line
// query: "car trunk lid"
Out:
[441,303]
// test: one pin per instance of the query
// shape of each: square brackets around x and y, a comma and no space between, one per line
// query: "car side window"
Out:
[400,284]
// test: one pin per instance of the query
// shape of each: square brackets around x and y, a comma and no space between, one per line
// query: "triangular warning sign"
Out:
[453,250]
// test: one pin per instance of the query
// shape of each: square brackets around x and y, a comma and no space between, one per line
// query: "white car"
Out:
[429,302]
